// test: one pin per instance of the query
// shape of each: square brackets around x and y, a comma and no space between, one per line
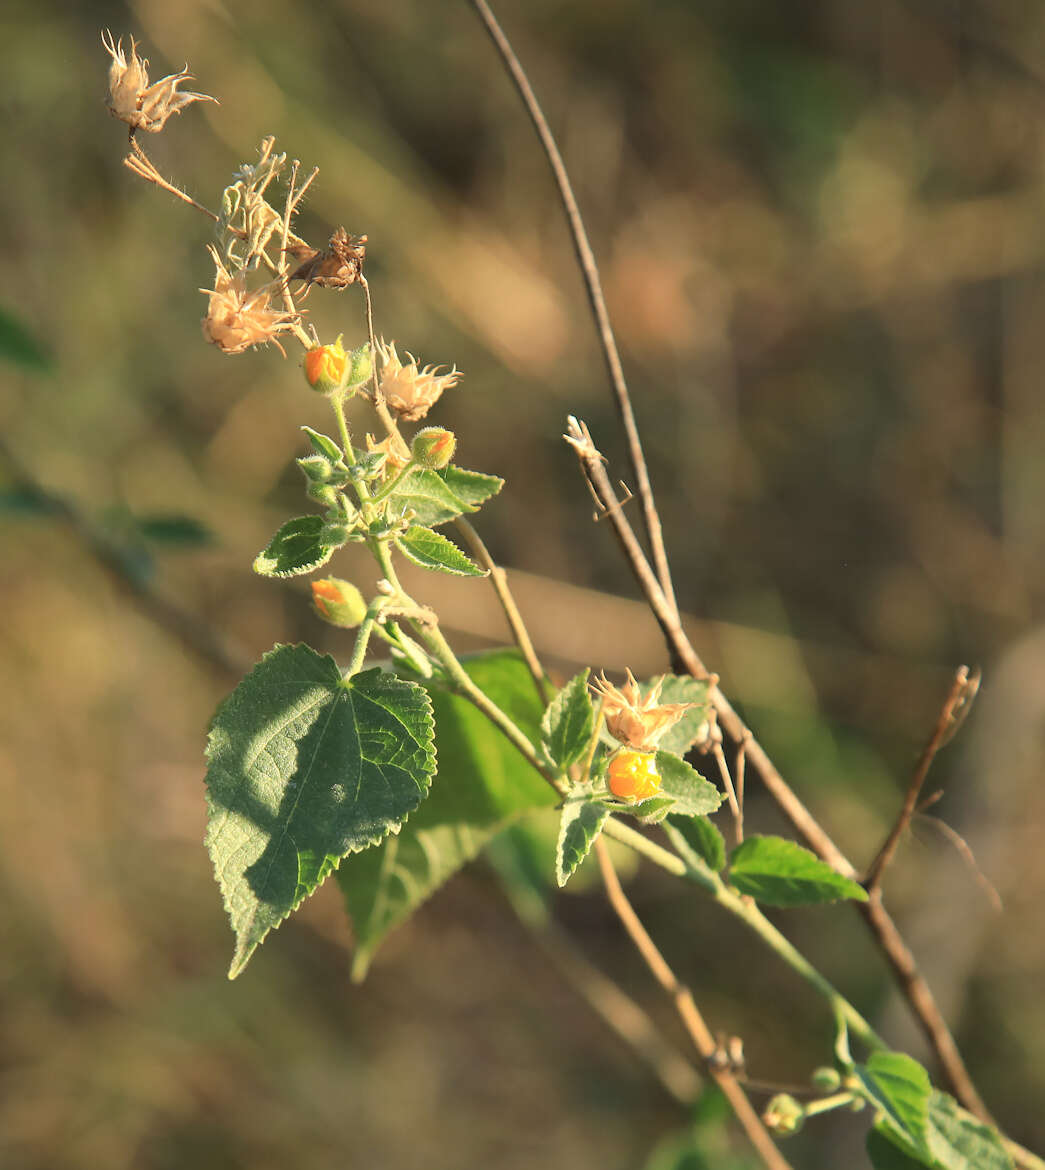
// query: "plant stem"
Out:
[366,628]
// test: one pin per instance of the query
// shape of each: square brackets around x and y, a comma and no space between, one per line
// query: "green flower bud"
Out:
[361,364]
[433,447]
[784,1115]
[336,533]
[316,468]
[338,602]
[827,1079]
[322,493]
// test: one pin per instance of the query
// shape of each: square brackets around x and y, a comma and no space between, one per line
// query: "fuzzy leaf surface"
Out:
[295,549]
[777,872]
[959,1141]
[303,769]
[568,722]
[581,822]
[699,837]
[432,550]
[694,796]
[484,785]
[473,487]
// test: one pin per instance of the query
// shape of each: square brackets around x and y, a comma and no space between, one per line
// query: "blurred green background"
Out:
[822,236]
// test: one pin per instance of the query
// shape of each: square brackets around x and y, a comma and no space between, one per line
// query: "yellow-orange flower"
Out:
[633,720]
[327,366]
[237,319]
[411,391]
[133,100]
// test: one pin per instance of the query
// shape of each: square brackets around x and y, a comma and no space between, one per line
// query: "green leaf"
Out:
[568,723]
[959,1141]
[436,497]
[776,872]
[432,550]
[295,549]
[699,837]
[23,500]
[324,445]
[693,726]
[473,487]
[19,346]
[582,821]
[484,785]
[304,768]
[898,1088]
[693,795]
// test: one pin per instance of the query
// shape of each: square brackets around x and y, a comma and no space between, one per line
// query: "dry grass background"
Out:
[822,227]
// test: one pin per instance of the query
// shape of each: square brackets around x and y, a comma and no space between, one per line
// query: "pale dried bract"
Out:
[133,100]
[237,319]
[633,720]
[411,391]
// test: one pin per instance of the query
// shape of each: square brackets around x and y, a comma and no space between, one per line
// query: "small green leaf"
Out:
[582,821]
[324,445]
[776,872]
[432,550]
[473,487]
[699,837]
[305,767]
[24,500]
[693,795]
[898,1088]
[568,722]
[436,497]
[959,1141]
[19,346]
[484,785]
[295,549]
[693,726]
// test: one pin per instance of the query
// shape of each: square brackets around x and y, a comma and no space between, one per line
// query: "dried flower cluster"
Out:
[133,100]
[638,722]
[237,319]
[411,391]
[337,266]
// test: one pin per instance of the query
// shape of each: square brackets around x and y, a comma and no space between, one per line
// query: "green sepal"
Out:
[432,550]
[305,767]
[777,872]
[581,823]
[324,445]
[295,549]
[568,722]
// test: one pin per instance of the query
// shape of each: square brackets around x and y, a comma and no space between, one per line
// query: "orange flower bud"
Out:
[327,367]
[433,447]
[633,775]
[338,602]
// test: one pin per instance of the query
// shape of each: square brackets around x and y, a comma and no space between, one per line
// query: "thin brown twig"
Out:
[140,163]
[727,783]
[689,1014]
[952,713]
[888,938]
[966,854]
[499,580]
[739,772]
[593,283]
